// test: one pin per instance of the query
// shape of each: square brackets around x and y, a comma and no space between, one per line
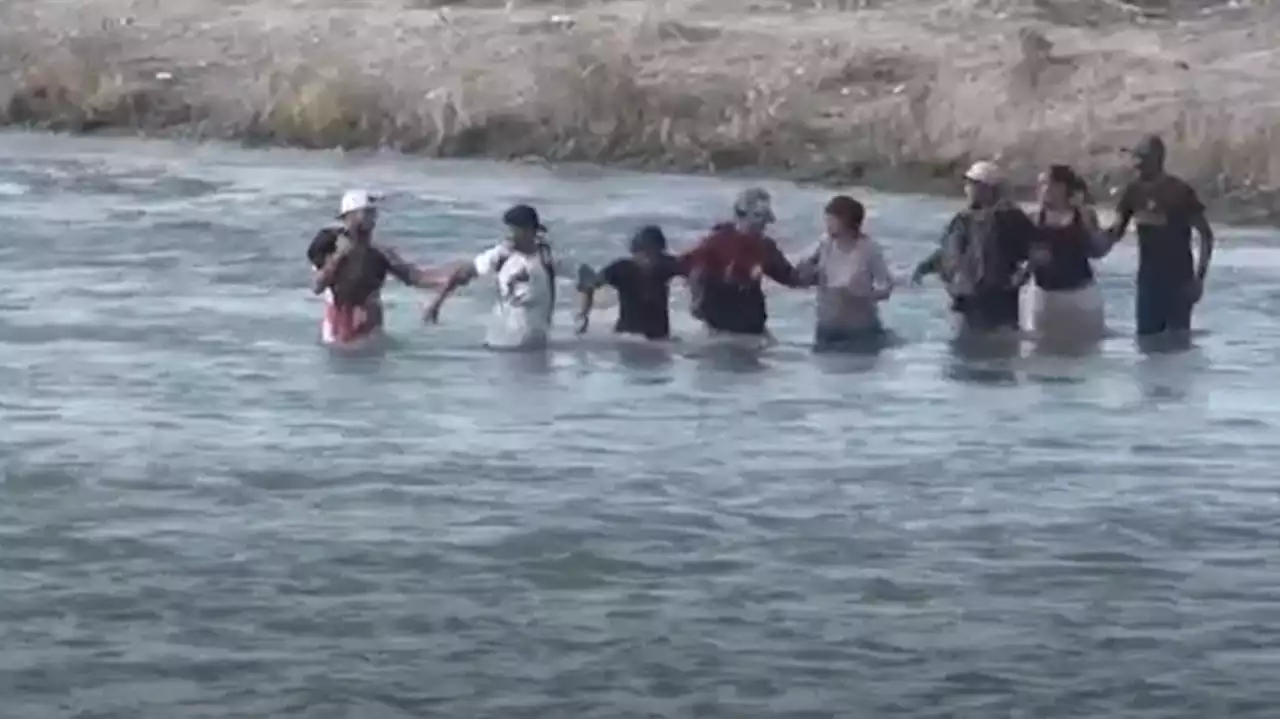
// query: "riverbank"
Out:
[898,96]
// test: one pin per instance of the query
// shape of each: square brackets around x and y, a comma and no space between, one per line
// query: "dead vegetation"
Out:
[844,92]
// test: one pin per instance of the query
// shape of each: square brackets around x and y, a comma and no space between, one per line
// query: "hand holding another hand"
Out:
[431,315]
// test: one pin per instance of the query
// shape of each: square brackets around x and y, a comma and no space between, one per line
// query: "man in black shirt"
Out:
[1165,210]
[642,282]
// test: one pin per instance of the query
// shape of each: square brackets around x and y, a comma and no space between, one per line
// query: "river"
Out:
[205,514]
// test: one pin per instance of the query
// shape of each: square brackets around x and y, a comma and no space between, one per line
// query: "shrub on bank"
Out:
[909,91]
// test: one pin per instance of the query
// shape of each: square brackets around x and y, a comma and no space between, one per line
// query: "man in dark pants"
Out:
[1165,210]
[983,255]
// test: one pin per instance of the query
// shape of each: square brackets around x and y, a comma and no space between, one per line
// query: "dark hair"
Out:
[847,210]
[1066,176]
[523,217]
[649,238]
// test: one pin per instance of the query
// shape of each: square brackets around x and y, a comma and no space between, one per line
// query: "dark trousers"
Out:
[832,339]
[988,310]
[1163,306]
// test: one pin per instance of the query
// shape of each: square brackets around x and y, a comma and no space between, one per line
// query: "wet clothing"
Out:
[724,272]
[989,310]
[643,295]
[849,278]
[526,284]
[864,339]
[1162,306]
[1071,315]
[1068,251]
[341,325]
[353,300]
[1065,301]
[980,254]
[1164,210]
[361,273]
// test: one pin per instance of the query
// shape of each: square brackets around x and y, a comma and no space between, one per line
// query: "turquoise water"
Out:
[204,514]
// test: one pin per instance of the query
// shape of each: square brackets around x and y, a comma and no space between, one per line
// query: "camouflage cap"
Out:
[754,203]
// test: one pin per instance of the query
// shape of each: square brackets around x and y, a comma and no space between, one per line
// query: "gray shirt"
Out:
[851,280]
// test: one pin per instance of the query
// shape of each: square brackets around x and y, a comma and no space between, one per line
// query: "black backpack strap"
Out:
[548,262]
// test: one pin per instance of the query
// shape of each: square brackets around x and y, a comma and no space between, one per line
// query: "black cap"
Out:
[1150,146]
[649,237]
[1066,176]
[523,217]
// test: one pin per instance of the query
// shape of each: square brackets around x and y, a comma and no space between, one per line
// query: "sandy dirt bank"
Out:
[893,94]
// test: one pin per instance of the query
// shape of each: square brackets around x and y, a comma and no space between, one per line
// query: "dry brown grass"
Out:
[838,90]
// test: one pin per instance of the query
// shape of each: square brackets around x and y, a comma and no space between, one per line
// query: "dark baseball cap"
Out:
[523,217]
[1149,146]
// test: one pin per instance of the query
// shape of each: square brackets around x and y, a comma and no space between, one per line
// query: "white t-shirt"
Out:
[523,312]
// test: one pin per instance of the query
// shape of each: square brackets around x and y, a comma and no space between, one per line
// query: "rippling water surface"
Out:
[204,514]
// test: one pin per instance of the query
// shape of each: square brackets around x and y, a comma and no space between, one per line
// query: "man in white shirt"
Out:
[524,272]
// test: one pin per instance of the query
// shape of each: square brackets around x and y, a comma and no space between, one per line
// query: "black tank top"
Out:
[1068,266]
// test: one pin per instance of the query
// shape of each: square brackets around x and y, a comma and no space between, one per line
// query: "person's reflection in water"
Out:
[1169,374]
[1067,347]
[725,355]
[983,358]
[365,358]
[1165,343]
[859,361]
[524,364]
[644,355]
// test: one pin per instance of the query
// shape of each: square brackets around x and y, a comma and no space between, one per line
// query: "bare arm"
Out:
[586,298]
[1205,232]
[409,274]
[1124,215]
[462,275]
[588,283]
[881,277]
[1099,239]
[1190,203]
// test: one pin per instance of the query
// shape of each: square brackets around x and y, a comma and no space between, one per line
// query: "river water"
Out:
[205,514]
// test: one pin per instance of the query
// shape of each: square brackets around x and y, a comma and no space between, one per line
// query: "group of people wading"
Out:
[988,252]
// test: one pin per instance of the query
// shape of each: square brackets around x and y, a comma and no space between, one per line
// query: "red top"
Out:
[724,272]
[738,258]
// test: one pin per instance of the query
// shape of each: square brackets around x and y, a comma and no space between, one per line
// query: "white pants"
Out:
[517,328]
[327,333]
[1065,314]
[334,324]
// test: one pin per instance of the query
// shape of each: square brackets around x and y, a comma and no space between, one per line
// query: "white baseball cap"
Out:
[354,200]
[984,172]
